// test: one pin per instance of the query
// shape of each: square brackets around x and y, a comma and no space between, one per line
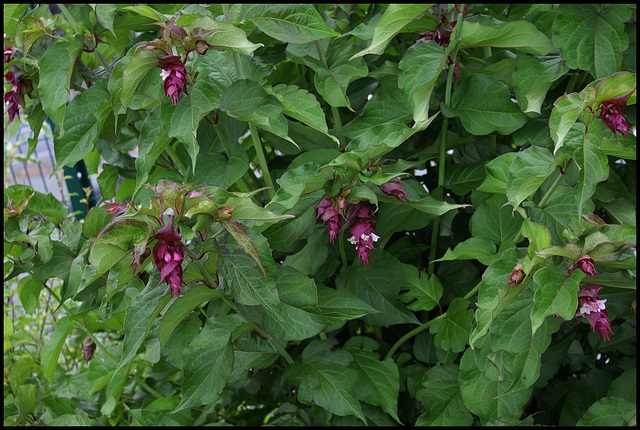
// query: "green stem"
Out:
[176,161]
[255,138]
[343,255]
[549,192]
[146,386]
[426,325]
[103,61]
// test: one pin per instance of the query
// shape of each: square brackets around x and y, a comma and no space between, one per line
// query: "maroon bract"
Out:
[88,348]
[593,307]
[516,276]
[174,76]
[8,53]
[331,216]
[168,254]
[610,114]
[12,99]
[393,188]
[585,263]
[362,231]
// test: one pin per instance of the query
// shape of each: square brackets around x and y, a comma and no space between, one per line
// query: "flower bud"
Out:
[88,348]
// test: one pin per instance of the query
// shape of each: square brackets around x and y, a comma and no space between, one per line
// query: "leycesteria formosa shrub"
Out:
[325,215]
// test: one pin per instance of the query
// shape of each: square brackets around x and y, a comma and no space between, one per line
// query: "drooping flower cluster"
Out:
[362,233]
[584,263]
[610,114]
[168,254]
[331,215]
[174,76]
[590,306]
[21,87]
[393,188]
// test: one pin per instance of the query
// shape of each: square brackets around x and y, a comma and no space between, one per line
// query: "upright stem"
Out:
[255,138]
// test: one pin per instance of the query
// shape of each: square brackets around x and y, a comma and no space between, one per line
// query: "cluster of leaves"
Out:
[465,312]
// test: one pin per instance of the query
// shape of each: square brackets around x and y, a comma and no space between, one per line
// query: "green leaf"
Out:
[289,23]
[182,121]
[81,126]
[208,362]
[222,171]
[593,163]
[566,110]
[591,37]
[247,100]
[303,106]
[140,65]
[244,240]
[105,14]
[378,285]
[395,18]
[533,77]
[341,305]
[193,298]
[419,68]
[333,77]
[151,143]
[247,281]
[495,221]
[452,333]
[484,106]
[314,254]
[497,171]
[441,396]
[556,294]
[463,178]
[378,381]
[425,289]
[474,248]
[12,15]
[114,242]
[221,70]
[55,77]
[521,35]
[53,345]
[323,379]
[251,352]
[226,35]
[29,289]
[610,411]
[528,171]
[138,319]
[108,180]
[624,386]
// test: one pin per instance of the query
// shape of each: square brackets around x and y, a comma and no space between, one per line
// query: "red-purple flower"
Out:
[585,263]
[330,214]
[590,306]
[174,76]
[8,53]
[168,254]
[88,348]
[610,114]
[516,276]
[362,233]
[12,99]
[393,188]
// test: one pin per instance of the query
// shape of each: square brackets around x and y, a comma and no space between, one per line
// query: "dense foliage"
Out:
[325,215]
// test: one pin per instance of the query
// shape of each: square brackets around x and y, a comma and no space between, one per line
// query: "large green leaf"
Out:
[303,106]
[395,18]
[533,77]
[495,221]
[425,289]
[208,362]
[323,379]
[225,35]
[53,345]
[514,34]
[497,171]
[221,170]
[610,411]
[333,77]
[56,66]
[593,163]
[289,23]
[181,121]
[378,381]
[452,333]
[140,65]
[474,248]
[151,143]
[247,100]
[81,126]
[556,294]
[221,69]
[441,396]
[419,68]
[378,285]
[528,171]
[484,106]
[591,37]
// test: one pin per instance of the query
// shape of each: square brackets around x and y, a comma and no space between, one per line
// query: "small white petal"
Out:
[164,74]
[353,240]
[375,237]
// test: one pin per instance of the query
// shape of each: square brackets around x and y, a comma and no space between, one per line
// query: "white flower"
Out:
[164,74]
[595,306]
[353,241]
